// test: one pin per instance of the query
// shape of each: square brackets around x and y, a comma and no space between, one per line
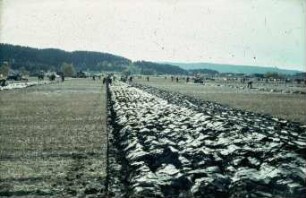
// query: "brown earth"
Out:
[281,105]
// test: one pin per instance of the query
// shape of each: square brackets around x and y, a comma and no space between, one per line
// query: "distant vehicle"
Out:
[198,80]
[14,75]
[81,74]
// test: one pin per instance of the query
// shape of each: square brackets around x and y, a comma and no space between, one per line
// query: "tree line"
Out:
[33,61]
[36,60]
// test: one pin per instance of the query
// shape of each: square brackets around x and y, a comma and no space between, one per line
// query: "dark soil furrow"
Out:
[193,149]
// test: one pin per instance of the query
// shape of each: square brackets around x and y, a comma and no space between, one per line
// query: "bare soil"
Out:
[283,105]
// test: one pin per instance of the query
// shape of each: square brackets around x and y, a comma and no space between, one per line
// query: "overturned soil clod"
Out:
[163,144]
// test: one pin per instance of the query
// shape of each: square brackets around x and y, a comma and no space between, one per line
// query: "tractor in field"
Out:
[81,74]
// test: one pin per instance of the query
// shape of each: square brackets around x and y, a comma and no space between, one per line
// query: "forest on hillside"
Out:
[34,61]
[150,68]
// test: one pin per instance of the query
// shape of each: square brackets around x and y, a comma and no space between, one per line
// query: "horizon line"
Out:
[160,61]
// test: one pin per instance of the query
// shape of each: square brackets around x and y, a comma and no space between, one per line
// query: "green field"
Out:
[287,106]
[53,140]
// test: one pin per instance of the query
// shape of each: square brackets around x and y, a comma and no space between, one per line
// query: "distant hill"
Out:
[203,71]
[158,68]
[34,60]
[226,68]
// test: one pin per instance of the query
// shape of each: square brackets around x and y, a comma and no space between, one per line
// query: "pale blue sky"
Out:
[245,32]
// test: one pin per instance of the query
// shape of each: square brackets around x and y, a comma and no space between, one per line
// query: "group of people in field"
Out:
[177,79]
[94,77]
[51,77]
[108,80]
[198,79]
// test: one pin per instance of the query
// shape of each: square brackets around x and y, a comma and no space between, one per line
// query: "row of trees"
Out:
[144,68]
[67,69]
[150,68]
[36,60]
[33,61]
[4,69]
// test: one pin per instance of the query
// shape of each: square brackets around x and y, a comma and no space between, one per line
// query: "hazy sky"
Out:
[247,32]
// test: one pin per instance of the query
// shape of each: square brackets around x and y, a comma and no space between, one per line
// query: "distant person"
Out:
[187,79]
[177,79]
[93,77]
[250,84]
[148,78]
[52,77]
[110,80]
[2,81]
[63,77]
[123,78]
[287,80]
[41,77]
[298,81]
[131,79]
[107,80]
